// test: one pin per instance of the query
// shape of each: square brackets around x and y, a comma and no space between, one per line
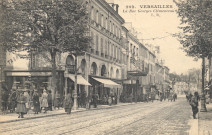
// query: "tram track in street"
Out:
[53,119]
[101,122]
[110,114]
[166,115]
[84,117]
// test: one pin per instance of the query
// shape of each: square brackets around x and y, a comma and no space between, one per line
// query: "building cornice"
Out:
[105,5]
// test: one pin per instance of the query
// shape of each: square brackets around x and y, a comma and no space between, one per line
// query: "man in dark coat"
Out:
[95,100]
[194,104]
[36,102]
[50,100]
[68,103]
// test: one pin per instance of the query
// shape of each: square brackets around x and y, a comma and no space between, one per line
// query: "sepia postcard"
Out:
[105,67]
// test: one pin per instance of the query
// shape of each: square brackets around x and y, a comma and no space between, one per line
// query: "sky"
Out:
[158,26]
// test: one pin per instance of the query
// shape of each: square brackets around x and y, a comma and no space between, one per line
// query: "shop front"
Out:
[106,89]
[81,91]
[28,80]
[133,90]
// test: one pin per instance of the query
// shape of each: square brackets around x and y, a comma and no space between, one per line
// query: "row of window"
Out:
[103,46]
[133,50]
[104,21]
[103,72]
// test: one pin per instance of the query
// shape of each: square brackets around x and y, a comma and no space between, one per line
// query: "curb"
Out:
[50,115]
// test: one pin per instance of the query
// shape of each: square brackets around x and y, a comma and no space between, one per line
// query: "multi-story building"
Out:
[116,63]
[99,68]
[135,68]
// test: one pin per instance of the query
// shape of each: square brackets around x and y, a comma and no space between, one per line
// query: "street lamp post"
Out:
[75,84]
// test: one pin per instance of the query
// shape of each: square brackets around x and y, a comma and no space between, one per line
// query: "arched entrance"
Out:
[70,60]
[103,71]
[93,69]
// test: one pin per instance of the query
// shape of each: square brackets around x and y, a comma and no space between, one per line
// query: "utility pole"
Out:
[203,106]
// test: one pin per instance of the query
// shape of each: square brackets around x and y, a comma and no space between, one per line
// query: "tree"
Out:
[49,27]
[196,19]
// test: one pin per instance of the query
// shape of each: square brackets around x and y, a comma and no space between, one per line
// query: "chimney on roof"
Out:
[114,6]
[117,8]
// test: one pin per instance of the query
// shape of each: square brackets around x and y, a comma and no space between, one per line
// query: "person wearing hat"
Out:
[21,106]
[44,100]
[36,102]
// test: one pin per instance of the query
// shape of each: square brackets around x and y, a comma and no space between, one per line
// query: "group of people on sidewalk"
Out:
[39,103]
[22,100]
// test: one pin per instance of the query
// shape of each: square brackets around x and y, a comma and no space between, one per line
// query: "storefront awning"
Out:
[107,82]
[80,79]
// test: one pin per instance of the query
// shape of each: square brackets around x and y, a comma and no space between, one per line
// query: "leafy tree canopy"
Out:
[196,20]
[50,25]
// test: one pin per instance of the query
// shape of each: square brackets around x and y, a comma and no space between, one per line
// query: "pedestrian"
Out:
[110,100]
[4,102]
[50,100]
[174,96]
[95,98]
[36,102]
[4,97]
[21,105]
[104,100]
[57,102]
[26,94]
[44,101]
[161,97]
[68,103]
[79,100]
[88,102]
[194,104]
[12,101]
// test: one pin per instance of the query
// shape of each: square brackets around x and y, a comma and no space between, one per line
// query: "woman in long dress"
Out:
[44,100]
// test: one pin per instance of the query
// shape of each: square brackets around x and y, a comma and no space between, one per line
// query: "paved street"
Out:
[137,119]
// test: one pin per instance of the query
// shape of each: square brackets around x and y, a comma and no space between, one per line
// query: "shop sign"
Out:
[71,69]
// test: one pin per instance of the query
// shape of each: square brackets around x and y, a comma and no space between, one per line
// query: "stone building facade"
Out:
[117,63]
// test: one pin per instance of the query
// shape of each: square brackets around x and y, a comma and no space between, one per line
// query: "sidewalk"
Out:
[12,117]
[205,121]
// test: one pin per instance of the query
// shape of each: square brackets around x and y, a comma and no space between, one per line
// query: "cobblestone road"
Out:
[169,118]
